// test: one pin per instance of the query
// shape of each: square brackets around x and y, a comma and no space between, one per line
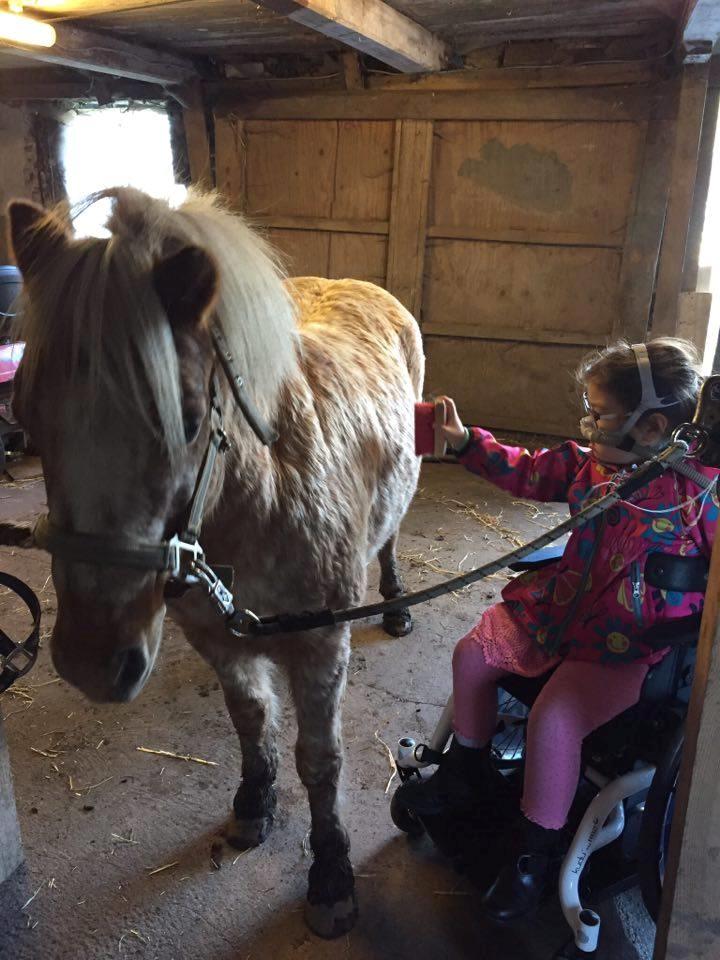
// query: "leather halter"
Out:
[181,556]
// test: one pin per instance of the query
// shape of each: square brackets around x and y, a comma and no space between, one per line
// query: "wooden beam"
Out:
[197,140]
[714,79]
[11,854]
[452,81]
[46,131]
[371,27]
[702,187]
[679,208]
[694,318]
[381,227]
[231,161]
[352,73]
[688,927]
[604,103]
[268,88]
[641,250]
[101,53]
[331,224]
[512,334]
[549,237]
[702,22]
[408,211]
[87,8]
[518,78]
[39,84]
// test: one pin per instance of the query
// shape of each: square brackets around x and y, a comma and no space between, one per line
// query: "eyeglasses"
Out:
[597,417]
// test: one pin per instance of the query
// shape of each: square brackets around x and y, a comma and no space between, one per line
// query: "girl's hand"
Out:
[449,423]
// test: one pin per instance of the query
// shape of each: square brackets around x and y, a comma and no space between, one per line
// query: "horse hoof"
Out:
[398,624]
[246,834]
[330,921]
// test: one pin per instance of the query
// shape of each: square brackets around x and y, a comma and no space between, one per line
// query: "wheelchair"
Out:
[624,805]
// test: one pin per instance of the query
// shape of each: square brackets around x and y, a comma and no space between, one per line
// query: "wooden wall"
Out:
[18,165]
[522,225]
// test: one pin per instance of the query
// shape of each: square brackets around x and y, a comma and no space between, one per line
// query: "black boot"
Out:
[462,777]
[520,885]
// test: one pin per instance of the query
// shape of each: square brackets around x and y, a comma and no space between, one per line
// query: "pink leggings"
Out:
[579,697]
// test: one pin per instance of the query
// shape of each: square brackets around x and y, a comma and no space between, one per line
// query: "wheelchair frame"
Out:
[602,823]
[604,819]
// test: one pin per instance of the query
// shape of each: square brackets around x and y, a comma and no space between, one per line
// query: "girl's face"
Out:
[610,416]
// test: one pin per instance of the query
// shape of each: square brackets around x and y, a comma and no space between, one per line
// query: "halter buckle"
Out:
[242,623]
[176,548]
[216,589]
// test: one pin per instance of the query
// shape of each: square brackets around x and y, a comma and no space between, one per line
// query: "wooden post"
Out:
[11,855]
[680,201]
[408,211]
[352,74]
[47,134]
[702,185]
[689,923]
[196,136]
[694,317]
[647,216]
[230,160]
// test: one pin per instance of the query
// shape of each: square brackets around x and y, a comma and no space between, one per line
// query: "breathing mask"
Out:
[649,400]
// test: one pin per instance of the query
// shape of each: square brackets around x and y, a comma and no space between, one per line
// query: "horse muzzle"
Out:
[109,662]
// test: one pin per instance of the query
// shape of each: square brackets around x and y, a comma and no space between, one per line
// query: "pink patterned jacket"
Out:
[593,604]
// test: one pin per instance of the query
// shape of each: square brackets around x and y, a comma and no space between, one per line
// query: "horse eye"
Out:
[191,426]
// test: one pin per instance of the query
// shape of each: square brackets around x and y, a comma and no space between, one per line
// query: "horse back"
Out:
[357,315]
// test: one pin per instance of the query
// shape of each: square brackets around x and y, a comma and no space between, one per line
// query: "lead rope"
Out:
[243,623]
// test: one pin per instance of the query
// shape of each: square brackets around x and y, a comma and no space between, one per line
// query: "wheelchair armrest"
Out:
[679,632]
[540,558]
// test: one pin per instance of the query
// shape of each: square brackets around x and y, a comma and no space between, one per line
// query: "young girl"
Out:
[582,615]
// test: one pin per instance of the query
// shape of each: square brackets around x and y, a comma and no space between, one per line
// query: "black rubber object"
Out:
[678,574]
[8,676]
[402,817]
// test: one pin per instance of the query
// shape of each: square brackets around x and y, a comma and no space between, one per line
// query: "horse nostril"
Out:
[131,665]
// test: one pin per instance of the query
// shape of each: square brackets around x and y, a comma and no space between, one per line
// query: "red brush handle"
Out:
[428,440]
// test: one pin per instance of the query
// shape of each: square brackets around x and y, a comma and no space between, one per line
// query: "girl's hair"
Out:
[675,372]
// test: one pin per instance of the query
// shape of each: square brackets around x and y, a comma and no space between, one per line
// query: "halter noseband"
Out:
[182,556]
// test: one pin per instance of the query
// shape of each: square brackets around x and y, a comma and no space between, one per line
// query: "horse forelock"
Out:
[96,312]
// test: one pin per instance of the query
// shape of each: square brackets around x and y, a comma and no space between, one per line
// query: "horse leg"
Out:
[399,622]
[250,701]
[317,679]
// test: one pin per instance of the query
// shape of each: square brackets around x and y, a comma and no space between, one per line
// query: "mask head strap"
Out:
[649,400]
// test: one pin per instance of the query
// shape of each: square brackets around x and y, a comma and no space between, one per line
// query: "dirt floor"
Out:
[122,849]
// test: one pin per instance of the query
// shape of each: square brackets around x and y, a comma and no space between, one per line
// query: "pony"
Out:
[115,390]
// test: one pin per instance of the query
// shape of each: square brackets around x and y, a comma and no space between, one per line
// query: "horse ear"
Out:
[36,234]
[187,284]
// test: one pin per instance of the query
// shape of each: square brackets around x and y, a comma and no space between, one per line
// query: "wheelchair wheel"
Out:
[656,823]
[403,818]
[508,745]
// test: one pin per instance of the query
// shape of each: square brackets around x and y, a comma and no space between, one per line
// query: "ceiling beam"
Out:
[41,83]
[701,24]
[371,27]
[87,8]
[100,53]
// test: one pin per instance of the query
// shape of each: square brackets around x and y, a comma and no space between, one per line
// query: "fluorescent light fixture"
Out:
[17,28]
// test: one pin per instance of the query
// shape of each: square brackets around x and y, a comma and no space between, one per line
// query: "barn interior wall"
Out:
[521,226]
[18,165]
